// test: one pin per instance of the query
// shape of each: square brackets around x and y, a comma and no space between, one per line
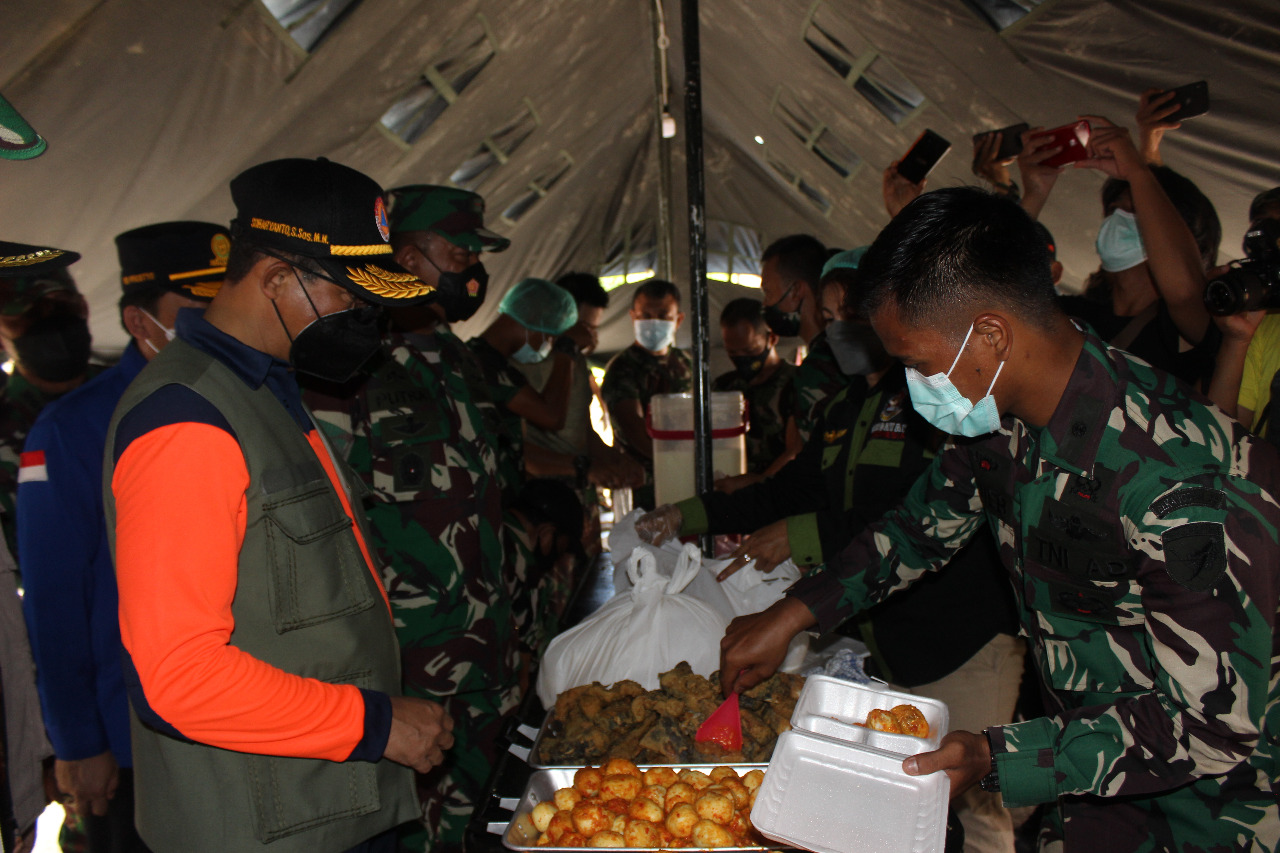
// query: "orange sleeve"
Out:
[176,564]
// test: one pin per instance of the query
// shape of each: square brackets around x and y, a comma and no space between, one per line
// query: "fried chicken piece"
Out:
[911,720]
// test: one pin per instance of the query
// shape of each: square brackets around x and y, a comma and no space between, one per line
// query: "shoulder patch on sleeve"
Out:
[1195,554]
[1190,496]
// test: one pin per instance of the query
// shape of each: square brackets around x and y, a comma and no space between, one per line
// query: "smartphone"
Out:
[923,156]
[1072,138]
[1010,140]
[1192,100]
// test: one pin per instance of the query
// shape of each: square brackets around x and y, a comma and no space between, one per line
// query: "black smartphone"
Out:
[923,156]
[1010,140]
[1192,100]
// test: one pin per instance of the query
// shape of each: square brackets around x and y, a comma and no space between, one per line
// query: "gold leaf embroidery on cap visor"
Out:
[33,258]
[389,285]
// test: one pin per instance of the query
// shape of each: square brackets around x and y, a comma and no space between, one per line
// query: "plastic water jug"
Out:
[670,425]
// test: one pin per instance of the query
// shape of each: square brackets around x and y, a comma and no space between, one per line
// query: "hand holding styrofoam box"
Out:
[638,634]
[834,786]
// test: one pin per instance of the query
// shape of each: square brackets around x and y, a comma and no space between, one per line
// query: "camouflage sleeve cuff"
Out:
[694,517]
[804,539]
[1024,761]
[821,592]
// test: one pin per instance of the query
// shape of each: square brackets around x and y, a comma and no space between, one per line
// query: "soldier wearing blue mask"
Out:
[1137,523]
[652,365]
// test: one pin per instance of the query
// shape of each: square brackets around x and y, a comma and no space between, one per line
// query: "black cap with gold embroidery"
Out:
[186,258]
[331,214]
[21,260]
[28,273]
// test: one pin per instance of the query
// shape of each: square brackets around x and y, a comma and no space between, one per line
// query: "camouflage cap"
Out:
[457,215]
[28,273]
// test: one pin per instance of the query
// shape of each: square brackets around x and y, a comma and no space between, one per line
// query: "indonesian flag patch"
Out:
[31,467]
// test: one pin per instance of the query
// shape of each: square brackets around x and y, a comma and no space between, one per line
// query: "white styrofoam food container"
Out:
[836,787]
[833,708]
[834,797]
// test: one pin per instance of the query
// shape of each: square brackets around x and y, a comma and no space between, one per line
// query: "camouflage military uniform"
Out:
[1140,531]
[502,382]
[540,590]
[637,374]
[769,404]
[817,380]
[420,434]
[20,403]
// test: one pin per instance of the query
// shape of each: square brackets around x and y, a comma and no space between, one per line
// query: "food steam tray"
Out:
[520,833]
[834,797]
[833,708]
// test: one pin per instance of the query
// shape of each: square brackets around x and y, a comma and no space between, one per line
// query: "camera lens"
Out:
[1242,287]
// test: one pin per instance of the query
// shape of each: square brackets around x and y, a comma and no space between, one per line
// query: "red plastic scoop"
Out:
[724,726]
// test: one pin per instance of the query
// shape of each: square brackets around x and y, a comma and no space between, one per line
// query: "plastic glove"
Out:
[660,525]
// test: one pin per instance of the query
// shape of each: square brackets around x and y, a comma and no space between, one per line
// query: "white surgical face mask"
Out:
[169,334]
[940,403]
[528,355]
[655,335]
[1119,243]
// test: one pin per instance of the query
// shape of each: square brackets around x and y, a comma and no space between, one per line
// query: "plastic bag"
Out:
[744,592]
[638,634]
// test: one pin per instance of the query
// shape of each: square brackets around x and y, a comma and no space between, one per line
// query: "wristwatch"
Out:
[566,345]
[991,782]
[581,465]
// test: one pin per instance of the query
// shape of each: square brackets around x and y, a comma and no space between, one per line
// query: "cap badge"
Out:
[380,217]
[221,248]
[473,287]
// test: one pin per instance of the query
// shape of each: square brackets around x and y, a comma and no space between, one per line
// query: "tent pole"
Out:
[663,264]
[703,475]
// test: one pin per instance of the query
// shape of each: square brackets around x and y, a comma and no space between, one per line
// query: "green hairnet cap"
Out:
[541,306]
[846,260]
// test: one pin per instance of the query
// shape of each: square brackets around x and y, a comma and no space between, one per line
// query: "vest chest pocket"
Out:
[317,572]
[290,795]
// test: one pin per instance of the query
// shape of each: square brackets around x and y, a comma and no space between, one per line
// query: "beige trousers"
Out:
[981,693]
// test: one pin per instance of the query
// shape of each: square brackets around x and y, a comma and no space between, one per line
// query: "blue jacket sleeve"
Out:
[59,531]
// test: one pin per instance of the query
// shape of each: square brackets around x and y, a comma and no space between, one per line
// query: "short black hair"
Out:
[951,248]
[800,257]
[656,288]
[146,298]
[745,310]
[1265,203]
[245,254]
[1192,205]
[585,289]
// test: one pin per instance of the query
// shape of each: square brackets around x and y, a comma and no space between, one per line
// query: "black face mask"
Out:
[783,323]
[55,349]
[856,347]
[460,294]
[334,347]
[749,366]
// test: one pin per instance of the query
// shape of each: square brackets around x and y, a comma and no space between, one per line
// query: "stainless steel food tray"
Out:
[520,834]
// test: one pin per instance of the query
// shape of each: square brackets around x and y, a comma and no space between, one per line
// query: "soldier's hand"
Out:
[965,756]
[729,485]
[89,783]
[420,733]
[754,646]
[768,547]
[660,525]
[583,336]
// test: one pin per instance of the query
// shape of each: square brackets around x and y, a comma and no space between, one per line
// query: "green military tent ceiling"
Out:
[550,109]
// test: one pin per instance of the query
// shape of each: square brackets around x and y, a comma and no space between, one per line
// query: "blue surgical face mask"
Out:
[528,355]
[1119,243]
[940,403]
[655,335]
